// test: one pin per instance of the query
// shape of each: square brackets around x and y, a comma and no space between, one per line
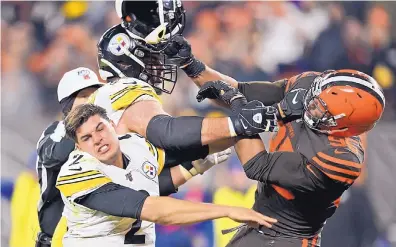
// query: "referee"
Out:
[53,150]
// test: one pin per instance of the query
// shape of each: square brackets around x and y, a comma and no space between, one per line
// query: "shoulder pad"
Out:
[338,163]
[303,80]
[80,174]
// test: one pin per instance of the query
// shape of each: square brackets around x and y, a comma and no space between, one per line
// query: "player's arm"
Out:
[172,177]
[293,171]
[53,148]
[174,133]
[180,52]
[162,210]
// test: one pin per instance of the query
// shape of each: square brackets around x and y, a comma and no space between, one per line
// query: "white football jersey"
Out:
[116,96]
[83,173]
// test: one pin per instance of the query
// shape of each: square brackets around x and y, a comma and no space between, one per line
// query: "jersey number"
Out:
[77,159]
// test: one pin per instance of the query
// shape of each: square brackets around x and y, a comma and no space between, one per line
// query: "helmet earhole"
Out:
[161,34]
[360,96]
[334,93]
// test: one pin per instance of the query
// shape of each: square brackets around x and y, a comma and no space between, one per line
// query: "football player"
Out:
[311,161]
[132,71]
[54,148]
[111,190]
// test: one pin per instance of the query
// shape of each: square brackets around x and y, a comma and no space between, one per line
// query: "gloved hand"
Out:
[249,118]
[211,160]
[291,106]
[222,91]
[254,118]
[178,51]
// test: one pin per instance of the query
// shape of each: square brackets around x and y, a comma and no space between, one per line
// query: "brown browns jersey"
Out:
[308,172]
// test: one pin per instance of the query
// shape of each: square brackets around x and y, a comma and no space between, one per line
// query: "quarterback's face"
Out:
[97,137]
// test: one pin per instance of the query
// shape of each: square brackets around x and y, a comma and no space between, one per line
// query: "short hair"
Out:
[78,116]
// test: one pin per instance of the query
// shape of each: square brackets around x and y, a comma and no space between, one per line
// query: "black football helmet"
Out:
[151,21]
[121,56]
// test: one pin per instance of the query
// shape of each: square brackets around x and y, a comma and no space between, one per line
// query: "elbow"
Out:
[153,212]
[257,167]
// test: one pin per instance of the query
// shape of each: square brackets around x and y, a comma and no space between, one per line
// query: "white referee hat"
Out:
[76,80]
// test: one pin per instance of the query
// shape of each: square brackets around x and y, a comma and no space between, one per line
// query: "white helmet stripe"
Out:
[375,87]
[161,11]
[118,7]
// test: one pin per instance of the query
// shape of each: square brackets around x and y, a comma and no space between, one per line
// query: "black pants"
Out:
[251,237]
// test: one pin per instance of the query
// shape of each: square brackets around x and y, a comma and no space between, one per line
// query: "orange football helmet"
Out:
[343,103]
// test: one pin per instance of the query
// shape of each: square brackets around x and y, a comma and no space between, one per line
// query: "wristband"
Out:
[195,68]
[231,128]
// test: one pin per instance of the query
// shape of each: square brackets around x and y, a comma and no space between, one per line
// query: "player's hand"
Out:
[249,217]
[211,160]
[178,51]
[291,107]
[254,118]
[222,91]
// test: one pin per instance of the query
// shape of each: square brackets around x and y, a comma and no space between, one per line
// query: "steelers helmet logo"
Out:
[149,170]
[119,43]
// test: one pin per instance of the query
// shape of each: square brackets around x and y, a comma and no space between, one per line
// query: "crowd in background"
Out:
[248,40]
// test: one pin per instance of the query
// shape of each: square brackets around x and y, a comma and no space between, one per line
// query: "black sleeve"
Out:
[129,202]
[166,185]
[175,133]
[174,157]
[286,169]
[266,92]
[53,148]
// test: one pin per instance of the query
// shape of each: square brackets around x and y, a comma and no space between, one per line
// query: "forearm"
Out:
[177,176]
[210,74]
[246,148]
[267,92]
[221,145]
[215,129]
[169,211]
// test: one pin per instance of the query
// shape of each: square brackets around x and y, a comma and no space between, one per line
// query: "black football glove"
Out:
[178,52]
[222,91]
[291,106]
[249,118]
[254,118]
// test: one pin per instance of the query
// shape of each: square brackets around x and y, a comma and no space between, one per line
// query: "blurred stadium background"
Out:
[247,40]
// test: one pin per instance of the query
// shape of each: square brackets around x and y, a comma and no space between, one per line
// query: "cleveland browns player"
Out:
[312,160]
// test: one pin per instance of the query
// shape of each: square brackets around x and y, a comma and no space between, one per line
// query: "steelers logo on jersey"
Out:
[119,44]
[149,170]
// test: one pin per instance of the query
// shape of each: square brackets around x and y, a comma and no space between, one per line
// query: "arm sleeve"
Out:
[53,148]
[266,92]
[174,157]
[175,133]
[286,169]
[129,202]
[166,185]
